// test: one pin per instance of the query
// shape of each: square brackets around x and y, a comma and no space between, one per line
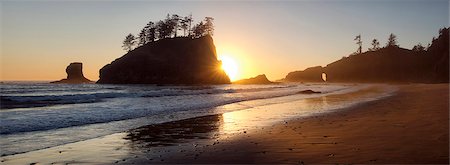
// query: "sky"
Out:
[40,38]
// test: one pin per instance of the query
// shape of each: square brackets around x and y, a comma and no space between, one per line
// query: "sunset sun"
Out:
[229,65]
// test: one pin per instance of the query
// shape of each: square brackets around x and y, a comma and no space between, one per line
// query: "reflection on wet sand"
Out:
[172,133]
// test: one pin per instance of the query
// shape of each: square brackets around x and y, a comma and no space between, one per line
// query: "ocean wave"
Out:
[125,105]
[29,98]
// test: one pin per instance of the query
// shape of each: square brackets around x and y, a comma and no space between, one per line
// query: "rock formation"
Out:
[313,74]
[388,64]
[74,74]
[260,79]
[168,61]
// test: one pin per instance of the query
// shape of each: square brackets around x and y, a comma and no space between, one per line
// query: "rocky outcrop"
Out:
[260,79]
[389,64]
[313,74]
[74,74]
[168,61]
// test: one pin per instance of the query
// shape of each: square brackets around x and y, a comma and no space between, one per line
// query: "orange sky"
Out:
[39,39]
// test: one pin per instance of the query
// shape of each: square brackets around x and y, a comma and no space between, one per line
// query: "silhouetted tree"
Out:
[129,42]
[142,37]
[169,27]
[375,45]
[418,48]
[359,42]
[392,40]
[184,24]
[164,29]
[188,21]
[199,30]
[175,24]
[151,32]
[209,26]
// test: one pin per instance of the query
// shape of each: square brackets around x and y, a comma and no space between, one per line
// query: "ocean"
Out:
[38,115]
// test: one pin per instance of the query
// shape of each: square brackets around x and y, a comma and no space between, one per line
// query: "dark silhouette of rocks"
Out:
[309,91]
[312,74]
[179,60]
[260,79]
[74,74]
[389,64]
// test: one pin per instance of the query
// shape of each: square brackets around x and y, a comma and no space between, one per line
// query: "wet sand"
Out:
[409,127]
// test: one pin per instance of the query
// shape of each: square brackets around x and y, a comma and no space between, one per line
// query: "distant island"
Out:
[260,79]
[388,64]
[159,55]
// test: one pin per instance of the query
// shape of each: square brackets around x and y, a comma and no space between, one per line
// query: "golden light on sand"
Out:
[230,66]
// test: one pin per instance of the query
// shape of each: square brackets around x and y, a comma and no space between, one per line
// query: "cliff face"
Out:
[390,64]
[260,79]
[74,74]
[167,61]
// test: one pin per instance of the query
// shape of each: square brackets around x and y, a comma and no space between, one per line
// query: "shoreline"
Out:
[253,135]
[396,129]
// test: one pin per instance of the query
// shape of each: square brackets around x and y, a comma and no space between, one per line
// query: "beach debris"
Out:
[309,91]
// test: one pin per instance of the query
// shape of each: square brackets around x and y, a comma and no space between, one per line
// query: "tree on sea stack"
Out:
[150,30]
[418,48]
[209,26]
[168,28]
[185,24]
[198,30]
[175,24]
[129,42]
[359,42]
[375,45]
[392,40]
[142,37]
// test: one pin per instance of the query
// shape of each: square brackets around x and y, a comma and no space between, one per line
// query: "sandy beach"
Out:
[409,127]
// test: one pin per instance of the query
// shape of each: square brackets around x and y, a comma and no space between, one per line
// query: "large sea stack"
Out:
[74,74]
[180,60]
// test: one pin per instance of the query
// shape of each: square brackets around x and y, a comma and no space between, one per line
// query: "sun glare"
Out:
[230,66]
